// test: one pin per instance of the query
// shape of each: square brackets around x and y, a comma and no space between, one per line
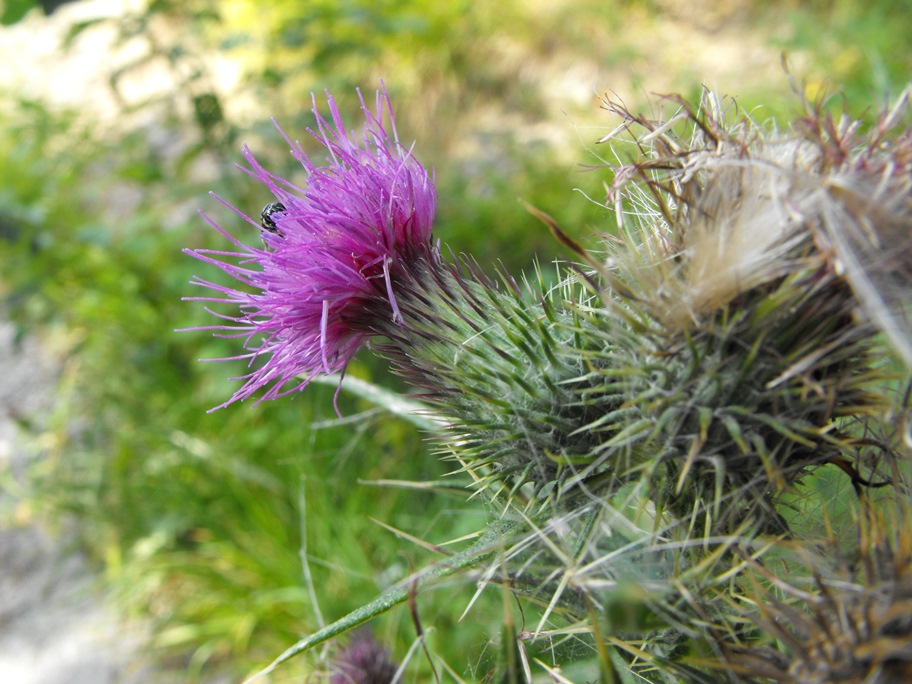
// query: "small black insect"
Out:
[266,217]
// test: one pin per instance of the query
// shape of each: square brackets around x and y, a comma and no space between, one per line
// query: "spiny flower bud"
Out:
[364,662]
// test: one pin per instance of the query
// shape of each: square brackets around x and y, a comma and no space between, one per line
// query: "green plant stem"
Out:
[487,546]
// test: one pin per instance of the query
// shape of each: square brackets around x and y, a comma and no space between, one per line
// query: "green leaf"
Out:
[14,10]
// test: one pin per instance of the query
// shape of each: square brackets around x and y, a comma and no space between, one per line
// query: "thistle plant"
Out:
[640,421]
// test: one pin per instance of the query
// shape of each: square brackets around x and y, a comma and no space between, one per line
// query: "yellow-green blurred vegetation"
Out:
[200,520]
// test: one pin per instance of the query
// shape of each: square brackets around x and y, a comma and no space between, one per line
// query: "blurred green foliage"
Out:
[199,519]
[862,47]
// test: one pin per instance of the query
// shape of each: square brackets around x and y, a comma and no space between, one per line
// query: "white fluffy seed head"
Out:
[726,205]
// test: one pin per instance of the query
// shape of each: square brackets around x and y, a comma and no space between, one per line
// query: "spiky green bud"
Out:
[718,355]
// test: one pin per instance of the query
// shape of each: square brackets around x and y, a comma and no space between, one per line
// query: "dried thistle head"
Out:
[752,263]
[849,620]
[718,204]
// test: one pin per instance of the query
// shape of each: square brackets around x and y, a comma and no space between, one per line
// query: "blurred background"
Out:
[143,539]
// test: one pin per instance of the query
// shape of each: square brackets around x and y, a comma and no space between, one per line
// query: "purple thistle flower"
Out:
[364,662]
[333,251]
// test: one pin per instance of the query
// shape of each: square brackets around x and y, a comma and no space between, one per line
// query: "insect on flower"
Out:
[266,220]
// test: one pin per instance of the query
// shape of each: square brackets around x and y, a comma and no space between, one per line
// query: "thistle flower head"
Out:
[364,662]
[746,255]
[333,249]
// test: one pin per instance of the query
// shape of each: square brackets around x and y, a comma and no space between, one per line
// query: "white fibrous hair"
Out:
[725,209]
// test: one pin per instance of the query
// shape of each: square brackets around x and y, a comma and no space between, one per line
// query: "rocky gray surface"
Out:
[56,626]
